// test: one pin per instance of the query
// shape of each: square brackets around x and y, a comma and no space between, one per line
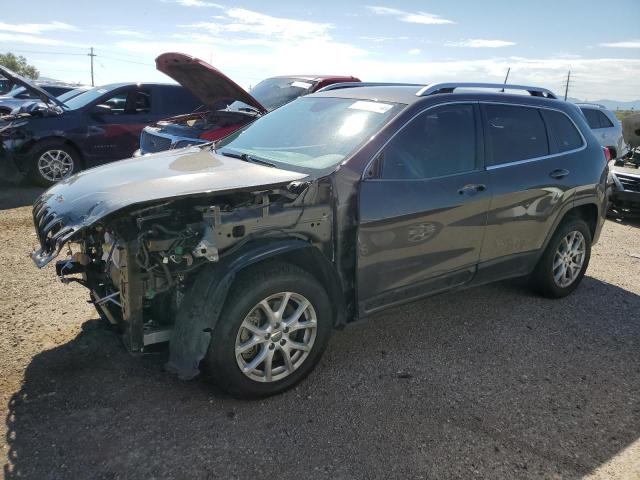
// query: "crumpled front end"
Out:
[52,233]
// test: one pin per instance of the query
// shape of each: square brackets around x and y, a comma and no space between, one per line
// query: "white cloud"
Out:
[625,44]
[36,28]
[381,39]
[241,20]
[422,18]
[197,3]
[414,51]
[36,40]
[480,43]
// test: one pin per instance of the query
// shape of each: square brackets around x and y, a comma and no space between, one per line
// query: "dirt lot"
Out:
[489,383]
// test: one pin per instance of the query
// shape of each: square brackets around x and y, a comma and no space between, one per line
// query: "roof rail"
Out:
[337,86]
[450,87]
[599,105]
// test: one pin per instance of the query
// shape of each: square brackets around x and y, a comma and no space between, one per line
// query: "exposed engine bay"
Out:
[140,263]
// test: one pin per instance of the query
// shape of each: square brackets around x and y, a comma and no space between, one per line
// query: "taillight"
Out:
[607,153]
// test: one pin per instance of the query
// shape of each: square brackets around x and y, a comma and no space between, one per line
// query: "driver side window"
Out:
[130,102]
[439,142]
[117,103]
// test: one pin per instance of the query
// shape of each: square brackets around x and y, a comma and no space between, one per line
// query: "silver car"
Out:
[606,127]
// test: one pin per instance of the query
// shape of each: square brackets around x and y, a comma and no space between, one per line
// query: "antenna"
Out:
[91,55]
[566,85]
[506,78]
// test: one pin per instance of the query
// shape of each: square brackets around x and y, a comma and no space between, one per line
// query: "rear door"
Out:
[422,218]
[115,134]
[532,162]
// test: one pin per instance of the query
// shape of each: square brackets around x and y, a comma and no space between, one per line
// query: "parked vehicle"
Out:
[19,95]
[229,106]
[606,128]
[50,140]
[625,189]
[337,205]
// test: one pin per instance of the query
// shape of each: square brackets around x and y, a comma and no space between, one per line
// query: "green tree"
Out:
[19,64]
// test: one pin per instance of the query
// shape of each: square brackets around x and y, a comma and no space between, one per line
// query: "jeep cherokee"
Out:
[245,254]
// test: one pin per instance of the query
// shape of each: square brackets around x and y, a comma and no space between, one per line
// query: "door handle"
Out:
[559,173]
[472,189]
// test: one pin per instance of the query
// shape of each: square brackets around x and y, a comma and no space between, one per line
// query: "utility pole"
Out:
[91,55]
[506,78]
[566,86]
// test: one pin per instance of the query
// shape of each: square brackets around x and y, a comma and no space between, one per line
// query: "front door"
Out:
[114,133]
[422,218]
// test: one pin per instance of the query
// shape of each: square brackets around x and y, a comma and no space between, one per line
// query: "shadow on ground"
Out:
[12,196]
[500,384]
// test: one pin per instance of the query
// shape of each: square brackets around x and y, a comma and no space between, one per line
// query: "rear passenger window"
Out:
[596,119]
[514,133]
[563,133]
[438,142]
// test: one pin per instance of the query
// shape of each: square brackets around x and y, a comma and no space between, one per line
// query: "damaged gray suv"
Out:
[244,255]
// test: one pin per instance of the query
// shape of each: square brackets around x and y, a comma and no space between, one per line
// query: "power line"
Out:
[46,53]
[126,61]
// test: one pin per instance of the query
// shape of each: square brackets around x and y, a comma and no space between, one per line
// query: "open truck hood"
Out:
[91,195]
[45,96]
[207,83]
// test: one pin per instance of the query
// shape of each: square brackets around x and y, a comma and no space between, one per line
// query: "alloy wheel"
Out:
[55,165]
[276,337]
[569,259]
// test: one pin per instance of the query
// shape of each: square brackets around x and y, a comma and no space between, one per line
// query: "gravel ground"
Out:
[490,383]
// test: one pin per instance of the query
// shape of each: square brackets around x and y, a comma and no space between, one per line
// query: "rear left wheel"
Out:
[564,262]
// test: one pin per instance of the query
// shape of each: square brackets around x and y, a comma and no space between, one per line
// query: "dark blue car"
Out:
[48,140]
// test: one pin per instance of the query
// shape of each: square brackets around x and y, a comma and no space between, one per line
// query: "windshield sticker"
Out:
[304,85]
[371,106]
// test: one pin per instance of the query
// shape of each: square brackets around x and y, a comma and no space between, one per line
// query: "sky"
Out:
[406,41]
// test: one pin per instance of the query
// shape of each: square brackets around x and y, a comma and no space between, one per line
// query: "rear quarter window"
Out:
[604,120]
[563,134]
[596,119]
[514,133]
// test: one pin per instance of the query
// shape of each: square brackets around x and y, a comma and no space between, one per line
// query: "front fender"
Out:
[202,305]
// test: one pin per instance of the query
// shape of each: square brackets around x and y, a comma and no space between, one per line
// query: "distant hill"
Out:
[612,104]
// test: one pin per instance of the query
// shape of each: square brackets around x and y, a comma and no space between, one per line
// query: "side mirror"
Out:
[101,109]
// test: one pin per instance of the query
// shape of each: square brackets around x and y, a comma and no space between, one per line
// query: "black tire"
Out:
[35,174]
[542,279]
[250,288]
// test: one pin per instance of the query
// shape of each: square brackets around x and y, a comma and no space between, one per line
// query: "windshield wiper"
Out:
[247,158]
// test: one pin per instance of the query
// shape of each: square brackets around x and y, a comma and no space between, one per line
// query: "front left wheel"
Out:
[273,330]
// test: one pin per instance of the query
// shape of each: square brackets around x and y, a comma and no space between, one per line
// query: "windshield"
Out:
[85,98]
[70,94]
[275,92]
[312,133]
[17,91]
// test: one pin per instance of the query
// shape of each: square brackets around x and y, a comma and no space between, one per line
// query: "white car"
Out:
[606,127]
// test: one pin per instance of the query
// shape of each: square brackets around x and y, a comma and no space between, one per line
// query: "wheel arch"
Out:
[54,140]
[194,323]
[587,210]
